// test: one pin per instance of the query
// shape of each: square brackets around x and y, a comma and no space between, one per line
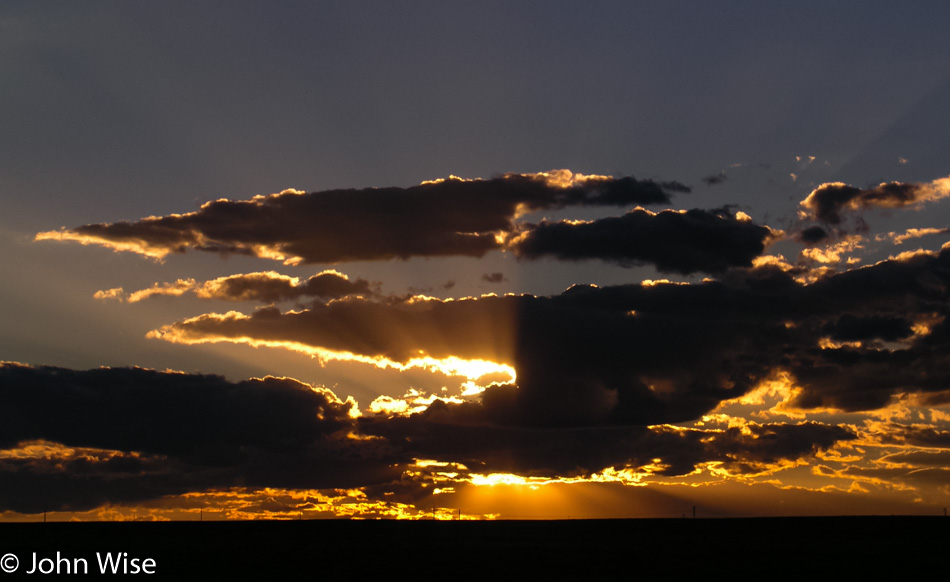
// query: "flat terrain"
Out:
[578,549]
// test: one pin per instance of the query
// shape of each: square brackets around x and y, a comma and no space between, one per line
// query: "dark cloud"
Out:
[162,413]
[626,355]
[813,235]
[443,432]
[144,434]
[79,483]
[450,433]
[772,442]
[925,458]
[929,475]
[494,277]
[915,283]
[854,379]
[602,372]
[266,287]
[757,447]
[917,435]
[270,287]
[450,217]
[876,303]
[112,436]
[714,179]
[678,242]
[827,202]
[648,354]
[849,328]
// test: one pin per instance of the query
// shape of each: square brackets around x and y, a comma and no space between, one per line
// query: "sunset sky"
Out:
[516,260]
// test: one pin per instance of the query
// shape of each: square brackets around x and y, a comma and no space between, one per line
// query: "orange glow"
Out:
[910,233]
[776,393]
[504,479]
[826,343]
[114,293]
[389,405]
[42,449]
[136,246]
[566,178]
[176,289]
[925,324]
[254,504]
[553,178]
[835,253]
[771,261]
[412,402]
[928,192]
[626,476]
[473,369]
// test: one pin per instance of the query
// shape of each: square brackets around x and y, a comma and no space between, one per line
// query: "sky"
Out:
[514,260]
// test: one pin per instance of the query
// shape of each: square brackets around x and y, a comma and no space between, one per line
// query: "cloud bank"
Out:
[450,217]
[647,353]
[128,435]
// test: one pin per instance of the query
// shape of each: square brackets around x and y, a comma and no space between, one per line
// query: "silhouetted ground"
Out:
[576,550]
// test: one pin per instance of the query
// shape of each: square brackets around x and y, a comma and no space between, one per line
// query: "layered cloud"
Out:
[601,372]
[266,287]
[449,217]
[651,381]
[150,434]
[112,436]
[646,353]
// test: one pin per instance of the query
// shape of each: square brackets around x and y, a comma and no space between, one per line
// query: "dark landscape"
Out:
[575,549]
